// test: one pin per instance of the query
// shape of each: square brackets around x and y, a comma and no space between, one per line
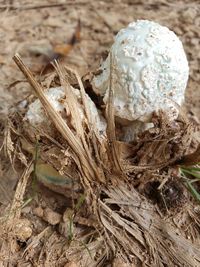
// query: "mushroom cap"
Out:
[37,117]
[149,69]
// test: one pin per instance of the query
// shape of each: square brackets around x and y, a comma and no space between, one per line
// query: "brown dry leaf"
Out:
[64,49]
[48,51]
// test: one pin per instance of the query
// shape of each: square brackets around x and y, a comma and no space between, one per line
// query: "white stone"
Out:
[150,72]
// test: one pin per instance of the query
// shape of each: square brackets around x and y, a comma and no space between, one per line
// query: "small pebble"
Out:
[51,216]
[67,215]
[71,264]
[119,262]
[38,212]
[23,229]
[26,210]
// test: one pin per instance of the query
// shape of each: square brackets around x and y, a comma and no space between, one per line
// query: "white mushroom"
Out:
[150,73]
[37,117]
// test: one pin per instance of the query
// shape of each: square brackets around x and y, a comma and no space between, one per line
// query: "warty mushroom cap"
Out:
[150,72]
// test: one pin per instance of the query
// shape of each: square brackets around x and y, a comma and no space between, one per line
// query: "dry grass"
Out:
[124,222]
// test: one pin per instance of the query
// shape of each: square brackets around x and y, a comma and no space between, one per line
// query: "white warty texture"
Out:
[37,117]
[150,72]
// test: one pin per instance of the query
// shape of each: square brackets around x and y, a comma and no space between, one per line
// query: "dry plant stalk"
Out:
[128,223]
[15,210]
[74,142]
[114,149]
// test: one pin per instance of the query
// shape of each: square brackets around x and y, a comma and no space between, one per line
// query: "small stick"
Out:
[111,122]
[29,7]
[27,73]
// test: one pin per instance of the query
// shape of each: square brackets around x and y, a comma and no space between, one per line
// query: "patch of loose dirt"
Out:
[40,236]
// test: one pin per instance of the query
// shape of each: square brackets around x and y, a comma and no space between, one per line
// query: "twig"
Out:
[29,7]
[111,123]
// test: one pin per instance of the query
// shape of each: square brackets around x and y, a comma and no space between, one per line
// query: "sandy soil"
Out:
[26,25]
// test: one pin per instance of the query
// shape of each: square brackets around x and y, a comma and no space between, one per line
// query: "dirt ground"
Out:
[27,27]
